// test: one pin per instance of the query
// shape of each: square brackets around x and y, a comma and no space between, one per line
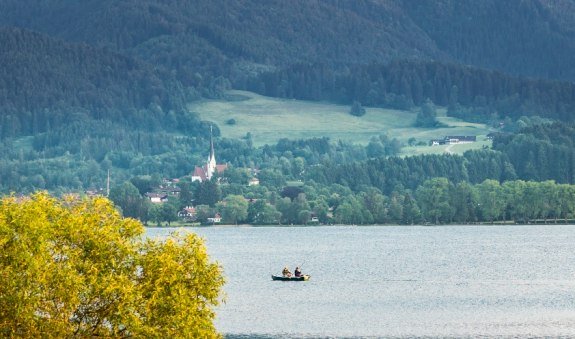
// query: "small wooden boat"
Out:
[304,277]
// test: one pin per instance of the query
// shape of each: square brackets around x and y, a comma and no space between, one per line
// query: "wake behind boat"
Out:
[304,277]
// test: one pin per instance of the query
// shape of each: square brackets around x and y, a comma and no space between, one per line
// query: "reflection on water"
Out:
[455,281]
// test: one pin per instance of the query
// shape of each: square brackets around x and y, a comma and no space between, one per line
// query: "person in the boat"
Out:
[297,272]
[286,272]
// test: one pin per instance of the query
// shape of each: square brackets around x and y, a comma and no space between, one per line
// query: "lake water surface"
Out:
[404,281]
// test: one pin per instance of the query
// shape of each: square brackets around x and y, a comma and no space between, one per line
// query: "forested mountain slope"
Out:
[470,93]
[522,37]
[233,38]
[46,82]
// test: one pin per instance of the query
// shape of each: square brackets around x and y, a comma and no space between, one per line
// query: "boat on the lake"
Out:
[304,277]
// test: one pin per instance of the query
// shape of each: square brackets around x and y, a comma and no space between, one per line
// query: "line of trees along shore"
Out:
[436,201]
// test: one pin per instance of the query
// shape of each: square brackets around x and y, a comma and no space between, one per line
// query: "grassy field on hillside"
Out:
[269,119]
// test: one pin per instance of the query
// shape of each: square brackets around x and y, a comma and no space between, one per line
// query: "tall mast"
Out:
[108,184]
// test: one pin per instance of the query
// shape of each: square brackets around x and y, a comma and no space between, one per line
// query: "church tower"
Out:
[211,164]
[210,168]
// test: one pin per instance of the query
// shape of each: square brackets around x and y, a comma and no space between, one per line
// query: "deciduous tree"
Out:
[77,268]
[234,208]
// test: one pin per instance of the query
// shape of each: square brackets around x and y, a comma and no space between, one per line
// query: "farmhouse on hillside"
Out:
[454,139]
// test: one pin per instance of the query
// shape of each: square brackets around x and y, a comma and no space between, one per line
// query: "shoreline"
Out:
[570,222]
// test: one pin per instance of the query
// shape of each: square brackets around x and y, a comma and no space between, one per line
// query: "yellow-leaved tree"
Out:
[76,267]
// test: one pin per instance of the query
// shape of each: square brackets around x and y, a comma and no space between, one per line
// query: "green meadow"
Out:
[270,119]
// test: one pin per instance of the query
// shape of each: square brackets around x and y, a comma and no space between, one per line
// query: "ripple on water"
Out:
[396,282]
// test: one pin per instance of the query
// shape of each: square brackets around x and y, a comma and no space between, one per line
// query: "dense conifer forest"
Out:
[532,37]
[469,93]
[47,83]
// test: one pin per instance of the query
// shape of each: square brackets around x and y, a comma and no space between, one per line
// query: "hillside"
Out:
[45,83]
[476,57]
[91,86]
[269,119]
[509,36]
[470,93]
[235,38]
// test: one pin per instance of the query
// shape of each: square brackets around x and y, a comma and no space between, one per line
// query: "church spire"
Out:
[212,153]
[211,164]
[209,169]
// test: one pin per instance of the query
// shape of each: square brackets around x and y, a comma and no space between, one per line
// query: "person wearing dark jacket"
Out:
[297,272]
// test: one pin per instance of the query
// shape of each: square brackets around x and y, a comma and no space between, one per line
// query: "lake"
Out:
[395,281]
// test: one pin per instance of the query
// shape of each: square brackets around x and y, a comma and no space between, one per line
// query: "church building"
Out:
[207,171]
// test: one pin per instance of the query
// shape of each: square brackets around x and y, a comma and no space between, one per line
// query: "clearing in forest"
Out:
[270,119]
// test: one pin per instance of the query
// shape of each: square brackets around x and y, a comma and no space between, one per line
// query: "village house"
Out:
[188,213]
[157,198]
[216,219]
[169,190]
[254,182]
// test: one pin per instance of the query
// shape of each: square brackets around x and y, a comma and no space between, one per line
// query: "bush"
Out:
[357,109]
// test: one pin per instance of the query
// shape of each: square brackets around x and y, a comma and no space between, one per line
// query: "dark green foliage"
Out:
[145,183]
[386,174]
[291,192]
[207,193]
[271,178]
[48,83]
[541,152]
[487,164]
[186,194]
[129,200]
[383,146]
[235,151]
[294,212]
[238,176]
[356,109]
[268,215]
[470,93]
[297,147]
[503,35]
[201,40]
[77,156]
[427,116]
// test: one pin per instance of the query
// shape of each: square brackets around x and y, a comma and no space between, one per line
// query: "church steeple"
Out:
[210,168]
[212,153]
[211,164]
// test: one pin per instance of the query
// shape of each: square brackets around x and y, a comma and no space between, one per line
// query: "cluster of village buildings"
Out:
[170,188]
[200,174]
